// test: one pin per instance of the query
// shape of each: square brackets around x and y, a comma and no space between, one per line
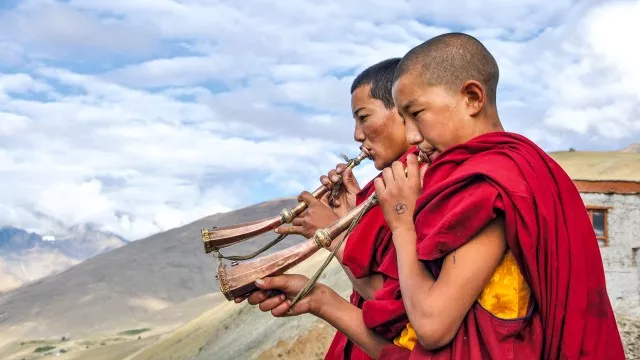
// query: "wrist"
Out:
[320,298]
[404,229]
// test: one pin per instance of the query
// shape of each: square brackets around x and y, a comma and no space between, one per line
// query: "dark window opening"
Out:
[598,216]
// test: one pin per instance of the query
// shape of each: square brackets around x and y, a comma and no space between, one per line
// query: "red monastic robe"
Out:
[549,233]
[364,251]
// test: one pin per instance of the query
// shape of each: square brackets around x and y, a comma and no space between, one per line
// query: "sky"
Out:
[138,116]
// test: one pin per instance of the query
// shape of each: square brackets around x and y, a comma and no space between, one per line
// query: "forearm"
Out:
[347,319]
[415,281]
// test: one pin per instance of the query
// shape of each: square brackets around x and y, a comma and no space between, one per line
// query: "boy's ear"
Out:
[475,95]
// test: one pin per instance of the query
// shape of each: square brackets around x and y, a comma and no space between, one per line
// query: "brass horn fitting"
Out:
[224,286]
[287,215]
[322,238]
[206,240]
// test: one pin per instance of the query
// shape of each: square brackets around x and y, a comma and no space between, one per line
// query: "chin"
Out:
[379,164]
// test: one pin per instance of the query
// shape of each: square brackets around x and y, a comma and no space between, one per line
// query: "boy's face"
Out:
[434,115]
[380,130]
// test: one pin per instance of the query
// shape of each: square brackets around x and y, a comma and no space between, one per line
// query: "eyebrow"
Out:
[406,106]
[356,111]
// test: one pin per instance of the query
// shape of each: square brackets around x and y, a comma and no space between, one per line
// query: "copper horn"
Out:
[221,237]
[239,280]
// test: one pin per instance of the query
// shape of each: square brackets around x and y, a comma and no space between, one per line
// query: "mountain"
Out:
[128,285]
[28,256]
[13,239]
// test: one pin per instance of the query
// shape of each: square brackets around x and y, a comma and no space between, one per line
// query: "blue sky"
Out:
[140,116]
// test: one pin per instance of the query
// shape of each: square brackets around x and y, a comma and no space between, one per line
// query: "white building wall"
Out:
[621,257]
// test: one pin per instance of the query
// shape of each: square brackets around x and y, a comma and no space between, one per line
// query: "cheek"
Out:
[374,131]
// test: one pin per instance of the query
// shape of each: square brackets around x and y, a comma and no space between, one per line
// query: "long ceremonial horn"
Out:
[239,280]
[220,237]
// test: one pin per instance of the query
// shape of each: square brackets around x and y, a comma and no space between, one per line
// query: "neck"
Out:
[486,123]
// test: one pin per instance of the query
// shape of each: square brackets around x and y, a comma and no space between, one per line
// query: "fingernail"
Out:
[259,282]
[334,178]
[282,297]
[276,231]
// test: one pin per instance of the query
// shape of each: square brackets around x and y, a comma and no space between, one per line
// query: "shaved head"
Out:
[449,60]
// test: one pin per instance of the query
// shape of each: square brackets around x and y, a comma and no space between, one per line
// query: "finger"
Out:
[380,186]
[300,308]
[350,182]
[291,230]
[412,167]
[333,176]
[282,309]
[272,302]
[398,171]
[387,175]
[307,198]
[280,282]
[298,221]
[240,299]
[423,171]
[324,179]
[340,168]
[257,297]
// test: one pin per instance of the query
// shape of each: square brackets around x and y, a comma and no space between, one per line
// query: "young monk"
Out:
[381,130]
[501,261]
[496,257]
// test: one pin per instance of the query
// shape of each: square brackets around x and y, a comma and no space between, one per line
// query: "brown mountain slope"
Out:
[127,286]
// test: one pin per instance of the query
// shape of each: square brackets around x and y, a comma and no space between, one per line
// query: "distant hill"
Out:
[27,256]
[127,285]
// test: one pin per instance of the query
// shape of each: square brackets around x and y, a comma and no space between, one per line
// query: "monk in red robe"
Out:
[494,255]
[381,130]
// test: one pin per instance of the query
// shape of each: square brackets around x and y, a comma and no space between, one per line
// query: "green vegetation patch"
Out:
[40,349]
[134,331]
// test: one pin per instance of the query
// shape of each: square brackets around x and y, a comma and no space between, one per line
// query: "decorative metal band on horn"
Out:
[221,237]
[321,238]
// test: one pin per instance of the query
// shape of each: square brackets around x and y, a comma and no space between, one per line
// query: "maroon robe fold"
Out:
[549,233]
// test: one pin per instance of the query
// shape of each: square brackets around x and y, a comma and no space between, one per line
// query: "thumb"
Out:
[273,282]
[350,182]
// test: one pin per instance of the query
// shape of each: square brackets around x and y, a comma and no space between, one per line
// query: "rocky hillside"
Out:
[125,286]
[26,256]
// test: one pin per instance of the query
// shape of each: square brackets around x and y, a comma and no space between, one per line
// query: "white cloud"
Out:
[594,90]
[56,29]
[142,116]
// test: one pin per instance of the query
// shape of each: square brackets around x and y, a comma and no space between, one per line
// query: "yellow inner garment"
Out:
[505,297]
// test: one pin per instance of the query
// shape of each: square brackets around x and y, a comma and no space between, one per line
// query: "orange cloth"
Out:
[506,296]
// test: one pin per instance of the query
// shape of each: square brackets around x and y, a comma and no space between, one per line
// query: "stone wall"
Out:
[622,255]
